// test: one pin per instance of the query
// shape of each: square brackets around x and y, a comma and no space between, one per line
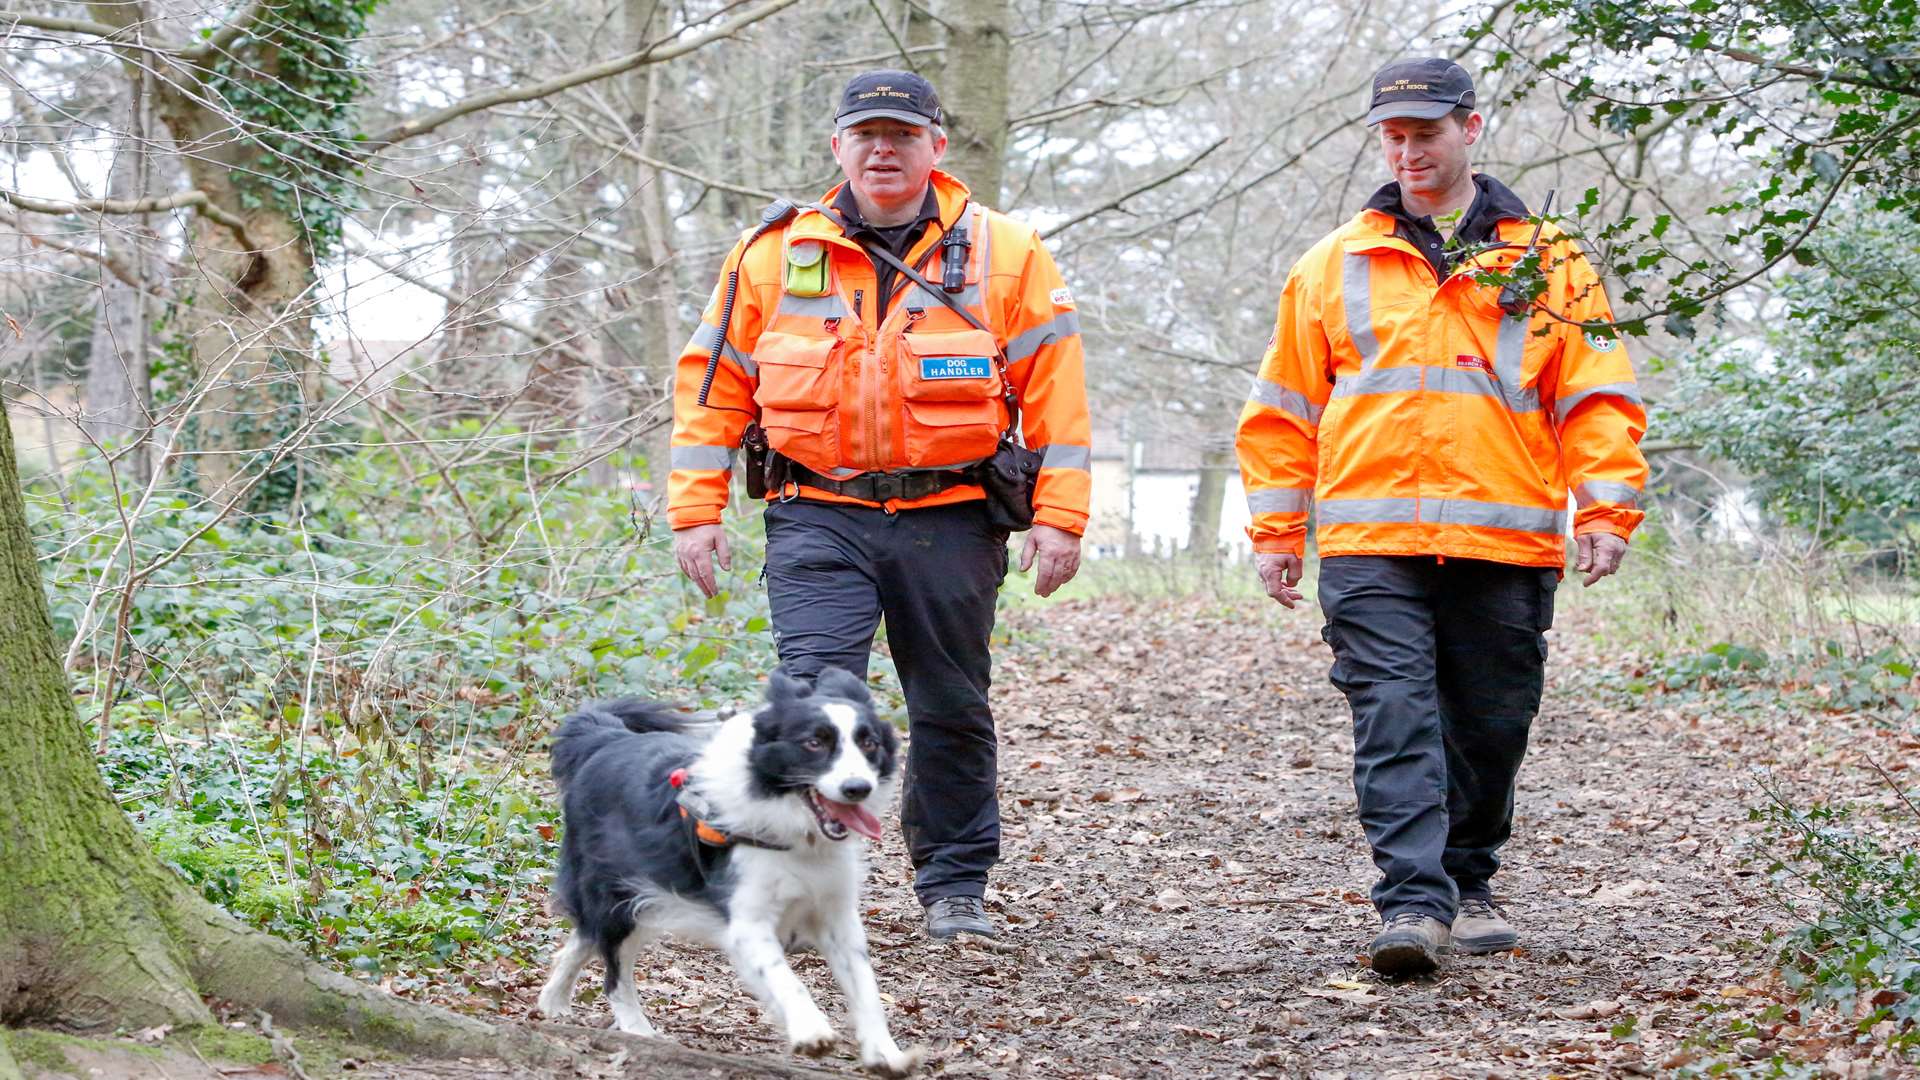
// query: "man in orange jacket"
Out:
[1432,400]
[877,398]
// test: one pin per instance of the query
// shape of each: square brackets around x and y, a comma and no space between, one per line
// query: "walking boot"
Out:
[1411,944]
[1481,927]
[952,915]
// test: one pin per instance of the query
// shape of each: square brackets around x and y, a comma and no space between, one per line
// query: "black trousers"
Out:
[1443,664]
[833,572]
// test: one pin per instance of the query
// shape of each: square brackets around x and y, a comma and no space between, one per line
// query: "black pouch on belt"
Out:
[755,455]
[1008,477]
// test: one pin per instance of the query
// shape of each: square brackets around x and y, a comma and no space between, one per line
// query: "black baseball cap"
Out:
[1424,89]
[893,95]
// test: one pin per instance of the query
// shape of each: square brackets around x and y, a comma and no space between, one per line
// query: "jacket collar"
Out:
[1493,203]
[948,192]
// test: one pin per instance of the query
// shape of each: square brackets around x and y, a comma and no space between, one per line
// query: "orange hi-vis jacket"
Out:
[844,391]
[1412,416]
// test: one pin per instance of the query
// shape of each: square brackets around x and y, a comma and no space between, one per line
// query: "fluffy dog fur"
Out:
[795,775]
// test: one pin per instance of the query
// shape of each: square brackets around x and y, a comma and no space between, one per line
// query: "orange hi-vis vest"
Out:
[1412,416]
[844,389]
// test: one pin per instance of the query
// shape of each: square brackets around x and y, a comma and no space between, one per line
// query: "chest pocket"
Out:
[951,391]
[796,372]
[950,365]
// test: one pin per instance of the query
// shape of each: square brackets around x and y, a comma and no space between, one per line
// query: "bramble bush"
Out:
[330,720]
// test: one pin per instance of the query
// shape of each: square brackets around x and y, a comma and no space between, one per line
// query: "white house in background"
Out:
[1145,476]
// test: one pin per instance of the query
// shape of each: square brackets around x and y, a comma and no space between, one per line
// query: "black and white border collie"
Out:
[786,786]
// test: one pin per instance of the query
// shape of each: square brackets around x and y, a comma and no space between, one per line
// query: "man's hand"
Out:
[1279,574]
[1058,553]
[696,548]
[1597,554]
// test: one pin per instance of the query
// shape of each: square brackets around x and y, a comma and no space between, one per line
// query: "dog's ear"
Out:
[845,685]
[782,688]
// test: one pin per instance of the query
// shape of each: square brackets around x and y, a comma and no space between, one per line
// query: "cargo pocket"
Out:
[796,372]
[951,392]
[808,436]
[798,392]
[950,365]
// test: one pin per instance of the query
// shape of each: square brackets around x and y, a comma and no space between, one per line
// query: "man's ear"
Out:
[939,147]
[1475,125]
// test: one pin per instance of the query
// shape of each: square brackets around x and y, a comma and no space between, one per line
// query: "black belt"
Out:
[882,487]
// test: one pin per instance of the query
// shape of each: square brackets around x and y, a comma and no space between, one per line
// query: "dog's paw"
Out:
[811,1036]
[895,1064]
[819,1046]
[554,1005]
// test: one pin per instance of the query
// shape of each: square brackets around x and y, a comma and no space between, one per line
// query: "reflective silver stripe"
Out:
[1392,380]
[1488,515]
[1065,324]
[829,306]
[1279,500]
[917,297]
[1461,380]
[702,343]
[1357,511]
[1356,283]
[1442,512]
[1440,380]
[1612,491]
[701,457]
[1626,391]
[1268,392]
[1065,456]
[1509,360]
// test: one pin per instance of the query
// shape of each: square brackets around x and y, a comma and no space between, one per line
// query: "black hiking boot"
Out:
[1410,944]
[952,915]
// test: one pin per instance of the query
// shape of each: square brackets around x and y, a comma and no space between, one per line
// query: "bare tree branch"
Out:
[196,199]
[1114,203]
[652,54]
[16,19]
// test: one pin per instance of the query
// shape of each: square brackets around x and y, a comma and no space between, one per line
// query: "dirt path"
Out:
[1184,881]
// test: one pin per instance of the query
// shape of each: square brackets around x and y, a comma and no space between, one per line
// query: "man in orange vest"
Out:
[1436,385]
[877,397]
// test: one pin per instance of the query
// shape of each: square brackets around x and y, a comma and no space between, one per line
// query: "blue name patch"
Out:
[955,367]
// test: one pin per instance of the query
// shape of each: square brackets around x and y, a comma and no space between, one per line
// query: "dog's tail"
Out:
[584,733]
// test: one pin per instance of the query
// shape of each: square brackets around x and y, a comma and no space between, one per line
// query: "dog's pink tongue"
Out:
[855,817]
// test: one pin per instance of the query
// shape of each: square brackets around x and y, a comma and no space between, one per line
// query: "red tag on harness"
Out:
[1466,360]
[678,778]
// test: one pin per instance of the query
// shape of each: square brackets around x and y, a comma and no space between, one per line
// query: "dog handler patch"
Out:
[955,367]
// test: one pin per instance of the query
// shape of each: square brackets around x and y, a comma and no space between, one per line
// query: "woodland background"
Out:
[337,344]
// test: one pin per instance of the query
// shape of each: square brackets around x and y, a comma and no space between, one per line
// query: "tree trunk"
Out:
[973,90]
[650,226]
[1203,527]
[119,391]
[95,933]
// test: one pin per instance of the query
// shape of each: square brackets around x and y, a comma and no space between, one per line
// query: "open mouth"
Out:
[837,818]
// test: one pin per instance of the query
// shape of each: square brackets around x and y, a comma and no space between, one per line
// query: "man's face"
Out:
[888,161]
[1428,157]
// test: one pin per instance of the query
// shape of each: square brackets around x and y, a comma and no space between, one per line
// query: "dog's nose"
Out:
[855,790]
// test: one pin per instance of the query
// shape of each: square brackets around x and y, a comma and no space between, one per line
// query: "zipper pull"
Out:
[914,315]
[857,294]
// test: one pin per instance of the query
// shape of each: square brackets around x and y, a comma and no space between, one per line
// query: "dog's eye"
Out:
[812,744]
[867,743]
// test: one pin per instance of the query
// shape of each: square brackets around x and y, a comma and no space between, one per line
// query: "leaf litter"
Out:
[1183,881]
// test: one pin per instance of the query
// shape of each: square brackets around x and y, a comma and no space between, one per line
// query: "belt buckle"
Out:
[886,486]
